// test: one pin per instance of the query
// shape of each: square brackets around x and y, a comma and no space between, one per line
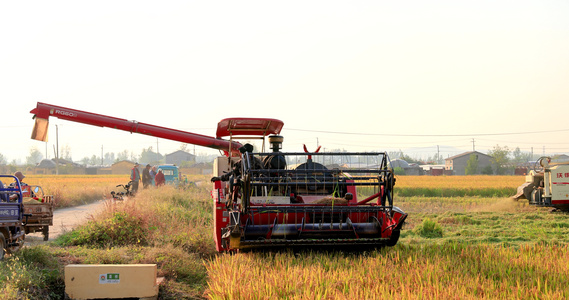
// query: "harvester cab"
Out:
[547,185]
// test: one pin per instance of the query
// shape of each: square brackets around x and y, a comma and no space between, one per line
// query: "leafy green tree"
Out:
[521,157]
[499,158]
[184,147]
[109,158]
[400,155]
[65,153]
[35,156]
[471,165]
[487,170]
[148,156]
[123,155]
[399,171]
[95,160]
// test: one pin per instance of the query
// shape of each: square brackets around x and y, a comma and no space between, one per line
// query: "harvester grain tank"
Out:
[274,198]
[547,185]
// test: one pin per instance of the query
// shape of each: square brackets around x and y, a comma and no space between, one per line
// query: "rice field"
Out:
[454,246]
[448,271]
[72,190]
[486,246]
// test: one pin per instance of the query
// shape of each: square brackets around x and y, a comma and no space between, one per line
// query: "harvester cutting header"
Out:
[274,198]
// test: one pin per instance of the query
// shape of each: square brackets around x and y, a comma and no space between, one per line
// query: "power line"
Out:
[427,135]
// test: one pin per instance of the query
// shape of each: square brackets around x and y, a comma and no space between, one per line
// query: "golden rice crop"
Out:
[458,186]
[70,190]
[450,271]
[471,181]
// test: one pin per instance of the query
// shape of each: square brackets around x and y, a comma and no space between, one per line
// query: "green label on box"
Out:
[109,278]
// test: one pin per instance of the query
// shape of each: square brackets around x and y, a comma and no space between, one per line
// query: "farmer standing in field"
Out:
[146,178]
[160,179]
[134,178]
[153,174]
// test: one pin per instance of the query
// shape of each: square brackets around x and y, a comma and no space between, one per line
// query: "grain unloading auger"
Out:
[278,199]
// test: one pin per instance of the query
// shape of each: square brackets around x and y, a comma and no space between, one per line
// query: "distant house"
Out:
[410,169]
[433,170]
[560,158]
[122,167]
[199,168]
[48,167]
[178,157]
[457,164]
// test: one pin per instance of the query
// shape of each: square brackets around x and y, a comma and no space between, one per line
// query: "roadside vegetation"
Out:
[460,247]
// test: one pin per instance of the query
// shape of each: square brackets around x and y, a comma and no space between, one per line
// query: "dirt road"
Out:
[66,219]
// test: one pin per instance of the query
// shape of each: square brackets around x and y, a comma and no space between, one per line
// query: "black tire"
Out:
[2,246]
[45,232]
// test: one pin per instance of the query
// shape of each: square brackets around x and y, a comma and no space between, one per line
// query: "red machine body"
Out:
[274,198]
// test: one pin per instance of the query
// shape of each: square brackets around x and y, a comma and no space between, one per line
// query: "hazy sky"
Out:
[354,75]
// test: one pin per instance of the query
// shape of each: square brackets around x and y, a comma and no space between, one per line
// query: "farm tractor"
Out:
[274,198]
[546,185]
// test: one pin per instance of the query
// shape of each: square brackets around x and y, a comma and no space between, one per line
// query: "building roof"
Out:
[399,163]
[46,163]
[466,154]
[122,161]
[179,151]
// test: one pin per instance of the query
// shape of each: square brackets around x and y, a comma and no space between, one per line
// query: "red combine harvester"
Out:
[273,198]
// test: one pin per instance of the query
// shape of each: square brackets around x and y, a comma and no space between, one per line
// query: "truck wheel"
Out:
[45,232]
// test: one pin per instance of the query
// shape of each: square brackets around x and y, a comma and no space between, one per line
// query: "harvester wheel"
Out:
[394,238]
[2,246]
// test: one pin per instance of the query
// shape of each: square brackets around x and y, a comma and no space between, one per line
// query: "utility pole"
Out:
[157,149]
[473,145]
[102,161]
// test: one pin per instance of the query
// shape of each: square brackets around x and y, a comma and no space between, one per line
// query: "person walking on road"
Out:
[135,178]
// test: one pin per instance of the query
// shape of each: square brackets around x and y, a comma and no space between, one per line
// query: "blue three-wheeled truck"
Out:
[12,233]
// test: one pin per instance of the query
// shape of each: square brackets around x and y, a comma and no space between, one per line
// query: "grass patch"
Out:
[429,229]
